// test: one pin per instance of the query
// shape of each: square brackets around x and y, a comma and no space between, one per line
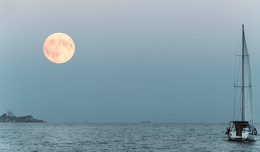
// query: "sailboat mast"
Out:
[243,75]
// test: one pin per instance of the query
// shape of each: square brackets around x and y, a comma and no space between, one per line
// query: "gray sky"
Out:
[158,60]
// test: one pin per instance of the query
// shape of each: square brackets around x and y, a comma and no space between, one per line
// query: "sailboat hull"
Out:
[246,136]
[241,131]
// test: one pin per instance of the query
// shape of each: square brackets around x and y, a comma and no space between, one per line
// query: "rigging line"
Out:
[234,102]
[238,72]
[249,71]
[238,105]
[248,65]
[236,52]
[251,105]
[238,113]
[246,46]
[247,108]
[237,69]
[238,43]
[249,90]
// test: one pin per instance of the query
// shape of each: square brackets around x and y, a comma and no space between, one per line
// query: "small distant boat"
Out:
[242,127]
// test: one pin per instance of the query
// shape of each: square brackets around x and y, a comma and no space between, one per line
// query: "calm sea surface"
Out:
[120,137]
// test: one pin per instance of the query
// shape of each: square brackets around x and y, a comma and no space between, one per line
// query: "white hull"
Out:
[246,136]
[241,131]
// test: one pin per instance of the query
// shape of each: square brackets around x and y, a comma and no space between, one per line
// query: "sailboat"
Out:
[242,127]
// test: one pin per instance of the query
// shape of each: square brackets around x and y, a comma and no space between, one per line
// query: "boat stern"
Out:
[241,131]
[235,137]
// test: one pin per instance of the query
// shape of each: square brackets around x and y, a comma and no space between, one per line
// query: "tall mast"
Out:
[243,75]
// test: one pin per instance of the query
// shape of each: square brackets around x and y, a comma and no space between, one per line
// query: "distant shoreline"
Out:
[10,118]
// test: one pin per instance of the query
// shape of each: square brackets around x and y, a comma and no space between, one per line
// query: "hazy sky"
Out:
[158,60]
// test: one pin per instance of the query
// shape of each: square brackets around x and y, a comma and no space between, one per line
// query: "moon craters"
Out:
[59,48]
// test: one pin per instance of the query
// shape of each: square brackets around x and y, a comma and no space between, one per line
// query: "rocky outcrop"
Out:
[9,117]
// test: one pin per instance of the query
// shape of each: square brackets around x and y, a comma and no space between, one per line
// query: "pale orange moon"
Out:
[58,48]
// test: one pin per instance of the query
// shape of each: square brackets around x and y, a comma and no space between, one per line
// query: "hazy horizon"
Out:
[162,61]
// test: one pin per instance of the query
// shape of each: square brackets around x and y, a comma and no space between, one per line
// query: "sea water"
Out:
[120,137]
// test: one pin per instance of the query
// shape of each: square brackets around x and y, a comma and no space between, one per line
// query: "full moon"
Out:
[58,48]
